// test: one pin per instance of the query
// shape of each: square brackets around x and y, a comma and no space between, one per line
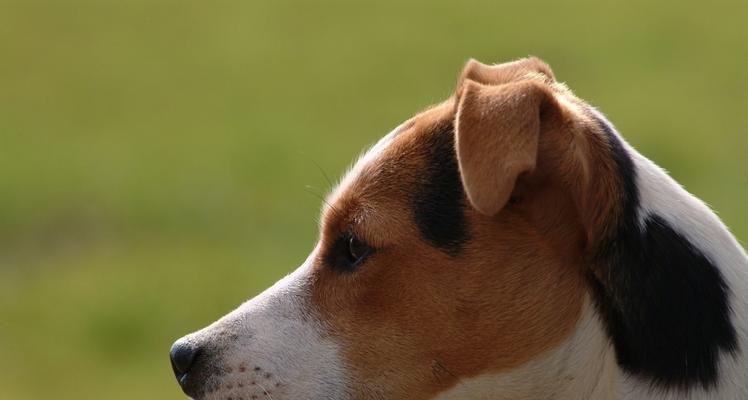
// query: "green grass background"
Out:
[154,154]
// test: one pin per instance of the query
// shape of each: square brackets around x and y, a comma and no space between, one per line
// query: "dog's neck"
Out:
[583,367]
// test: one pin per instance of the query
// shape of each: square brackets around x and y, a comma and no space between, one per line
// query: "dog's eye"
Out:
[357,250]
[348,252]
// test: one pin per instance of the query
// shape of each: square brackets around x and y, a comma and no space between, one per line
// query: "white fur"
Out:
[663,196]
[276,332]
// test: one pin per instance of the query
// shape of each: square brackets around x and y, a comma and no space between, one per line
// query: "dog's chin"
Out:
[250,383]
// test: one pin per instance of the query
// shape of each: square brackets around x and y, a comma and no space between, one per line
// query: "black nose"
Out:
[183,355]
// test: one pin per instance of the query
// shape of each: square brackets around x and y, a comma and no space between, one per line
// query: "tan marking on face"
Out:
[412,320]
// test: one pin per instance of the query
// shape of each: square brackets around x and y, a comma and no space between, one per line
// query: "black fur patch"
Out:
[438,198]
[664,304]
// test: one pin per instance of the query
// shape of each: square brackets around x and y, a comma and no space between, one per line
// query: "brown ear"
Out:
[504,73]
[497,134]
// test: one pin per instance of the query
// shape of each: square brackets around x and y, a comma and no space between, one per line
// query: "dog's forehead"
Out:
[388,169]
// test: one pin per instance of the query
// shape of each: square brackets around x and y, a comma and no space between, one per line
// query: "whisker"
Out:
[321,170]
[308,189]
[327,178]
[319,191]
[265,391]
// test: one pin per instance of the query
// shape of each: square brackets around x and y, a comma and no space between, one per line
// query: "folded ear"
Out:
[504,73]
[497,134]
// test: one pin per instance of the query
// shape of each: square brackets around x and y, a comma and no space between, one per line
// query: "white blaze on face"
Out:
[273,347]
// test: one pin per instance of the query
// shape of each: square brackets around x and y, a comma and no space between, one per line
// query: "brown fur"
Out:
[413,319]
[497,129]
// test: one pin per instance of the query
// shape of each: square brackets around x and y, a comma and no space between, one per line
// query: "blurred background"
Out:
[155,155]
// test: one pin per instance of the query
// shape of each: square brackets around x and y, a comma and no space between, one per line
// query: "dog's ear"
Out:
[504,73]
[497,133]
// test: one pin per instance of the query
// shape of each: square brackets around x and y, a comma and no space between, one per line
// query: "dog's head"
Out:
[457,246]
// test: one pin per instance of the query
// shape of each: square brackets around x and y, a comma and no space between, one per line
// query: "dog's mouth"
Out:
[240,382]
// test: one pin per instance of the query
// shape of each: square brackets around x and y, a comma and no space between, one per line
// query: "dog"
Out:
[504,244]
